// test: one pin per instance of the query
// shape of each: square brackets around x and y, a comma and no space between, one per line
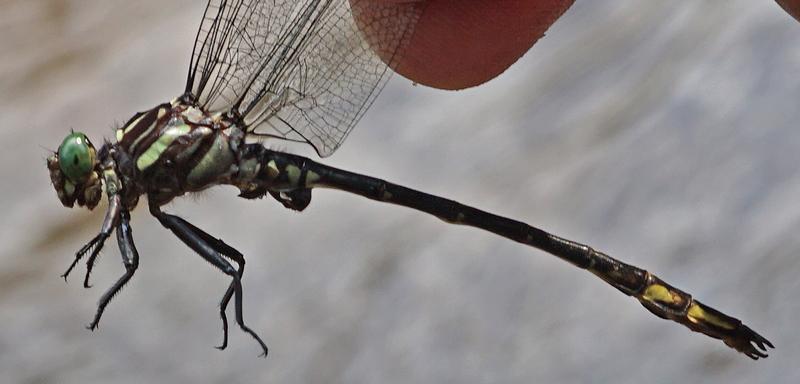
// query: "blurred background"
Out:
[663,133]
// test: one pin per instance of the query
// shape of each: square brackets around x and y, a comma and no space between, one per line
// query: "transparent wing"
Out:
[301,70]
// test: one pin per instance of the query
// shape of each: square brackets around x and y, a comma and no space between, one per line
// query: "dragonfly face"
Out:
[75,173]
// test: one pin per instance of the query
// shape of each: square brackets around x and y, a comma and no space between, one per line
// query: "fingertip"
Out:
[459,44]
[792,7]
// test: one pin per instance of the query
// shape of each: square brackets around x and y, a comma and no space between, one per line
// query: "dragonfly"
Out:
[302,71]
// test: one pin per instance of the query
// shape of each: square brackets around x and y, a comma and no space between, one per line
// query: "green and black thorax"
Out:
[177,148]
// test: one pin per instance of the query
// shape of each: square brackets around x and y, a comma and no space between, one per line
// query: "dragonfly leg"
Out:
[232,254]
[96,244]
[223,305]
[199,242]
[90,264]
[130,259]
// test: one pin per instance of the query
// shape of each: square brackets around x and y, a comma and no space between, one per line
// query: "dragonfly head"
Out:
[74,172]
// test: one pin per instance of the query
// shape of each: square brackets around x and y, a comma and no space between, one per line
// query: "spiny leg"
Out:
[130,259]
[223,305]
[96,244]
[231,253]
[90,265]
[202,247]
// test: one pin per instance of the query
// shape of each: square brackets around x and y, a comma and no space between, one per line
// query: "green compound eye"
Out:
[76,157]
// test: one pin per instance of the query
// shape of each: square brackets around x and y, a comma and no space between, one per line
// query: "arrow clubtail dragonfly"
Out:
[304,71]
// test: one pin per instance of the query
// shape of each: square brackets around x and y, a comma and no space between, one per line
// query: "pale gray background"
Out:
[664,133]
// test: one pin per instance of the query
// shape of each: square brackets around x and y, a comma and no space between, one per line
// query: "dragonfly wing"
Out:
[298,70]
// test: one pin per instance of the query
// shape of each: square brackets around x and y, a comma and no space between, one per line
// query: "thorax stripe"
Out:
[136,131]
[154,151]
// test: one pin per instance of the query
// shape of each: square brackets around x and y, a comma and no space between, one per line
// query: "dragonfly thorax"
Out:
[175,148]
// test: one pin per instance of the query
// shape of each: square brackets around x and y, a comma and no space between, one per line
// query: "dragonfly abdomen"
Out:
[261,170]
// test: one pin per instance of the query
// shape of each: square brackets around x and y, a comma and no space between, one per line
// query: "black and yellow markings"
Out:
[158,128]
[197,133]
[272,170]
[659,294]
[218,160]
[699,315]
[293,174]
[282,174]
[311,179]
[126,129]
[154,151]
[142,127]
[112,183]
